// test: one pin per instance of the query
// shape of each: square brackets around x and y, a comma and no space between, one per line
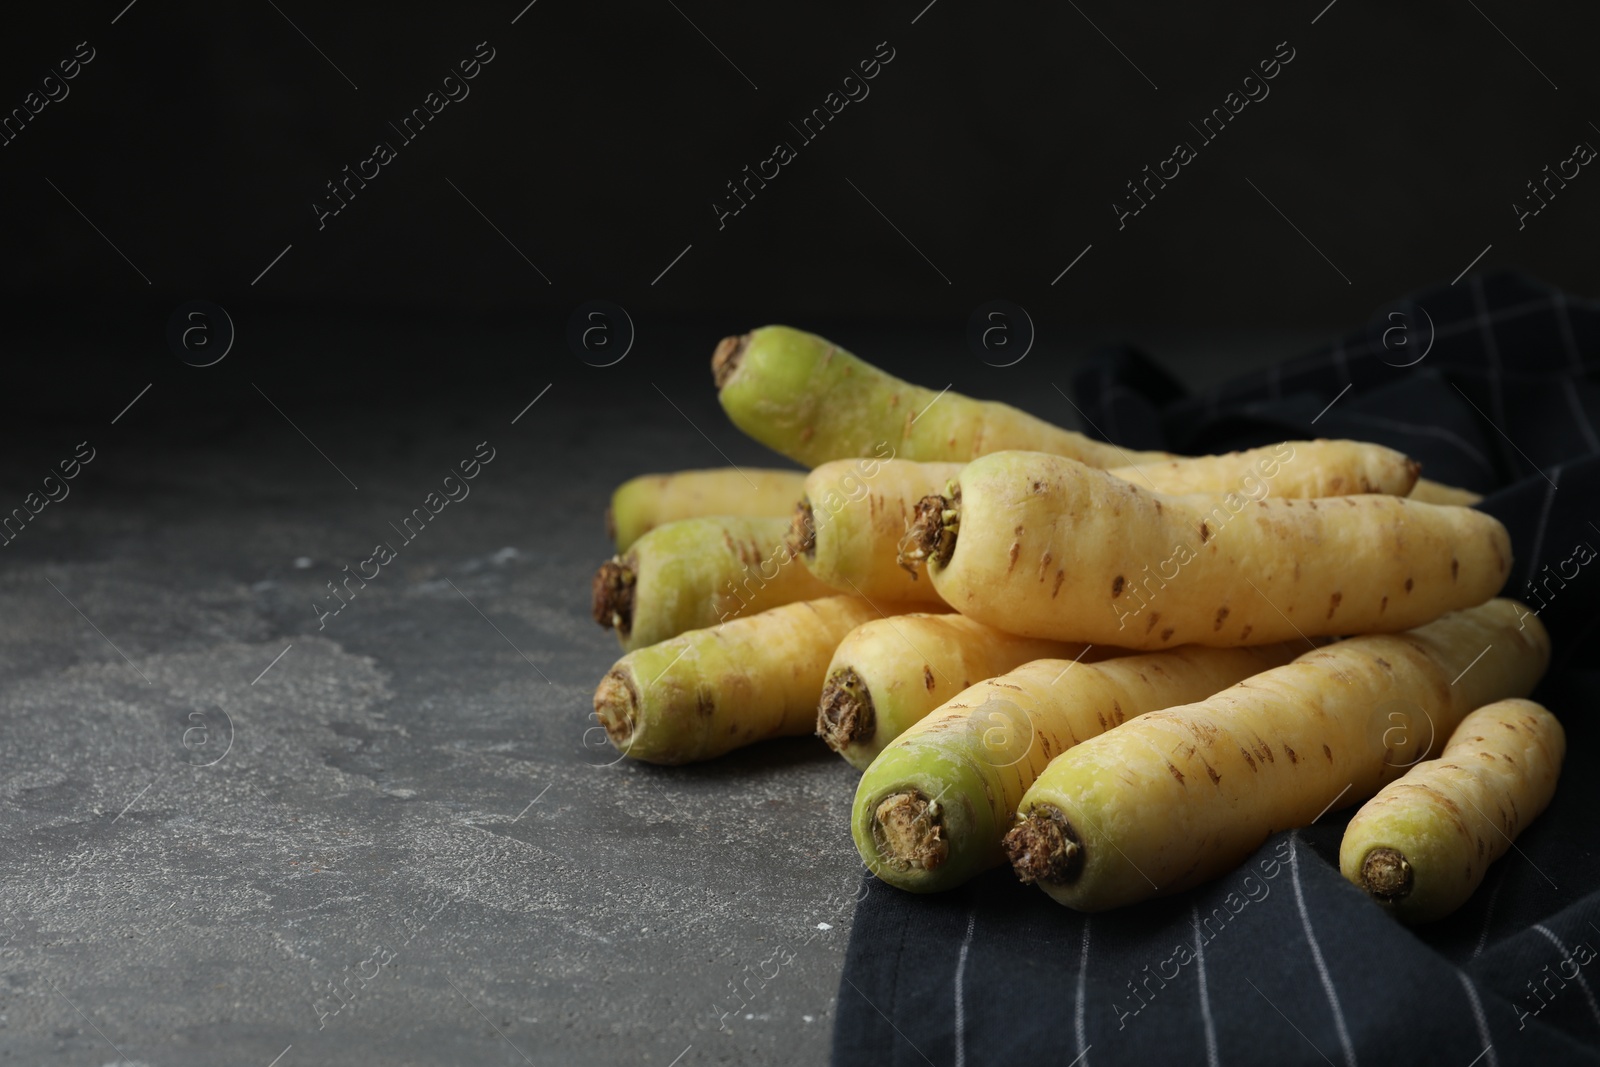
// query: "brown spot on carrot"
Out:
[1158,507]
[1044,565]
[1383,605]
[1455,568]
[1215,777]
[1326,751]
[1245,633]
[1335,484]
[1104,726]
[1380,661]
[1060,577]
[1116,586]
[1166,635]
[1222,613]
[1175,773]
[1247,757]
[1313,504]
[1409,584]
[1116,712]
[1205,533]
[1016,549]
[807,433]
[1287,751]
[705,703]
[1155,616]
[927,677]
[1333,603]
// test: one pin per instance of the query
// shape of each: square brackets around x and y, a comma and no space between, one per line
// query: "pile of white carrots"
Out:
[1117,673]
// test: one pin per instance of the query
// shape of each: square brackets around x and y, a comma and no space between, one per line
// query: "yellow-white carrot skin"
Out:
[811,400]
[695,573]
[1298,469]
[850,520]
[888,674]
[707,692]
[854,512]
[929,812]
[1174,798]
[1046,547]
[641,504]
[1422,845]
[1428,492]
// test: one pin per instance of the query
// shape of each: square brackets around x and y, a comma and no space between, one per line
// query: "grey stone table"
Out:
[239,831]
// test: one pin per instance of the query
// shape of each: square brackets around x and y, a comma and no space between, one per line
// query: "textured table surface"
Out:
[236,836]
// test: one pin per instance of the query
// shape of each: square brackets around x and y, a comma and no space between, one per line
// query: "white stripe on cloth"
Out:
[1582,982]
[1316,955]
[1077,1012]
[961,970]
[1480,1020]
[1205,996]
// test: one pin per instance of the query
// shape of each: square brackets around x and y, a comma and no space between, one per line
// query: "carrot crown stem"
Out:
[725,360]
[616,705]
[1386,874]
[845,714]
[931,536]
[909,833]
[1044,847]
[612,591]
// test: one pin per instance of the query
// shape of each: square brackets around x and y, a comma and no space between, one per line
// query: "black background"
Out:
[599,137]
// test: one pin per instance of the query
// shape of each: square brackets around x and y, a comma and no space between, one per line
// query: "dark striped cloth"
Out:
[1282,961]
